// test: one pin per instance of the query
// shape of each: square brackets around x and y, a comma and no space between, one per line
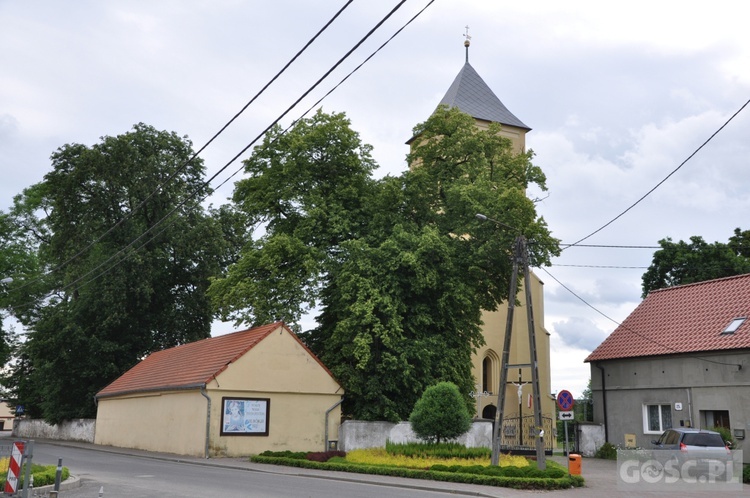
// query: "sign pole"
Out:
[565,403]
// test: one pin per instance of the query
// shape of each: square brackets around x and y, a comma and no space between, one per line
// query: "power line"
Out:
[642,336]
[665,178]
[606,266]
[610,246]
[182,167]
[231,161]
[342,80]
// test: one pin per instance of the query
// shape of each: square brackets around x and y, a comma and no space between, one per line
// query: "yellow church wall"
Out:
[296,422]
[300,391]
[171,422]
[296,389]
[516,135]
[175,422]
[494,334]
[279,363]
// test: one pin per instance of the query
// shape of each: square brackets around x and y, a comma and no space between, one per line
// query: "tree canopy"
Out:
[399,267]
[101,290]
[678,263]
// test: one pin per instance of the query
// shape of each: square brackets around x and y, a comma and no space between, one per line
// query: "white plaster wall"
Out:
[357,434]
[592,438]
[72,430]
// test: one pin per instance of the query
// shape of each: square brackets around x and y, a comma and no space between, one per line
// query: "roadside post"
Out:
[15,464]
[565,404]
[58,474]
[28,459]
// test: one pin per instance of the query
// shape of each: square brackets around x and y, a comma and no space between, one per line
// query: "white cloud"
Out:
[580,333]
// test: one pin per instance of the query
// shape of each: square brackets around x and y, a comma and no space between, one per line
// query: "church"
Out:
[215,397]
[470,94]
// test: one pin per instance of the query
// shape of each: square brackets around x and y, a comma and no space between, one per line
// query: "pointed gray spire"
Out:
[471,95]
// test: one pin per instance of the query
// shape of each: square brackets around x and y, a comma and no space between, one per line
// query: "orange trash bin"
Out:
[574,464]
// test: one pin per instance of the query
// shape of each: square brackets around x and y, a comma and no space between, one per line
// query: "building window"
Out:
[656,418]
[487,375]
[710,419]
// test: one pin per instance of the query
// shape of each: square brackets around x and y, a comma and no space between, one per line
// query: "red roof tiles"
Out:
[683,319]
[189,365]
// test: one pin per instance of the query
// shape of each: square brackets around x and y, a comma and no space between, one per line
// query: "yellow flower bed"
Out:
[378,456]
[4,462]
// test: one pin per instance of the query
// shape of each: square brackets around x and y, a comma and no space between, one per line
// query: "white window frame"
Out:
[661,406]
[734,325]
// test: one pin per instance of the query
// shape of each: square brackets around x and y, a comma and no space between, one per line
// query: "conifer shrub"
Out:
[607,451]
[440,414]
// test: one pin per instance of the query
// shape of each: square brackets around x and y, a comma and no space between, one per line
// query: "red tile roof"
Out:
[189,365]
[683,319]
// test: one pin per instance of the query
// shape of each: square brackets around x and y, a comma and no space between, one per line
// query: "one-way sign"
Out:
[566,415]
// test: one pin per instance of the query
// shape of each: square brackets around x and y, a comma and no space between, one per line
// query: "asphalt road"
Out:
[138,474]
[135,476]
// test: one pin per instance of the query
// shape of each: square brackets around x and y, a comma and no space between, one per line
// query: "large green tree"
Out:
[400,267]
[109,301]
[678,263]
[15,259]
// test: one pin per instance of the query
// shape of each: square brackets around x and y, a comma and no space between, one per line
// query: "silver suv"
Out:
[688,440]
[693,452]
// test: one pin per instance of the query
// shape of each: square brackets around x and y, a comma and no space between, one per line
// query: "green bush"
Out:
[440,414]
[553,471]
[299,455]
[608,451]
[438,450]
[746,474]
[44,475]
[726,435]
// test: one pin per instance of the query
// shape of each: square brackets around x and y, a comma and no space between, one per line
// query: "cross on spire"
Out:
[467,42]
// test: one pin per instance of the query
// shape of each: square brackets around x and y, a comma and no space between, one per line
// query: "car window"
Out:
[672,437]
[703,439]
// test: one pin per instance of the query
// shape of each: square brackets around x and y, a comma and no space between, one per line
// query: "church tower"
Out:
[470,94]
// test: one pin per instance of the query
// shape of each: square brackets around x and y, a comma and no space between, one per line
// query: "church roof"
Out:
[471,95]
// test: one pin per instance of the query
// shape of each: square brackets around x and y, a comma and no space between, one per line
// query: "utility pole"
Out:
[520,258]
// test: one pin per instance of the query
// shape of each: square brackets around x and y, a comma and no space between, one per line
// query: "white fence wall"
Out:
[71,430]
[591,438]
[357,434]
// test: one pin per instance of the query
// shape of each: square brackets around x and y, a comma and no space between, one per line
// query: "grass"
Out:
[440,450]
[380,456]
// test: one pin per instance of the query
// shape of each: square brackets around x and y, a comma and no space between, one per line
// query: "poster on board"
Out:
[245,416]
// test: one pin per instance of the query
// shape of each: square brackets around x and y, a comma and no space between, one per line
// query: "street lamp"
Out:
[6,280]
[520,258]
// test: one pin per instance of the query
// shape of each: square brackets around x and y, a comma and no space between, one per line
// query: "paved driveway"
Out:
[601,481]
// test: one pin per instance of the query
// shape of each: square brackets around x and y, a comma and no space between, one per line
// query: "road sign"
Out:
[566,415]
[565,400]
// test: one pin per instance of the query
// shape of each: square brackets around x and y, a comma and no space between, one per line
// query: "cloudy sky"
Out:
[618,94]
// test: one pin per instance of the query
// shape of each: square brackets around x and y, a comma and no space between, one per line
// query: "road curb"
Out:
[71,482]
